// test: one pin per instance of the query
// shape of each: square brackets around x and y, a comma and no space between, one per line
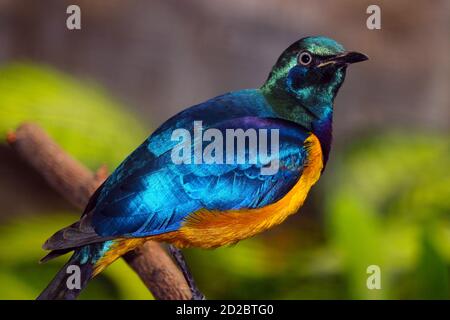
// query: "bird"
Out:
[207,204]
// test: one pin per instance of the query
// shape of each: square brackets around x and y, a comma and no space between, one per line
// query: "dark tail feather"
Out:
[54,254]
[65,285]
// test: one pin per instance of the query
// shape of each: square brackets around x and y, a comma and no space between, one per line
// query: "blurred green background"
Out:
[384,199]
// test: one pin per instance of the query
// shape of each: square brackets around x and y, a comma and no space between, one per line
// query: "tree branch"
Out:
[76,184]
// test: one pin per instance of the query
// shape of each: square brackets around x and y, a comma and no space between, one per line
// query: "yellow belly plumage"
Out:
[211,229]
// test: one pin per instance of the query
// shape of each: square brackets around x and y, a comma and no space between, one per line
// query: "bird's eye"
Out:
[305,58]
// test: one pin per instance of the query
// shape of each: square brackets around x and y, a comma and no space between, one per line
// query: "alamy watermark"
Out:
[373,281]
[73,281]
[237,146]
[373,22]
[73,21]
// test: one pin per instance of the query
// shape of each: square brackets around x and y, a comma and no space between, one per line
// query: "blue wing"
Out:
[149,194]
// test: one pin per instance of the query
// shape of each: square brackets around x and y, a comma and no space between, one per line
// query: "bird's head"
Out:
[311,71]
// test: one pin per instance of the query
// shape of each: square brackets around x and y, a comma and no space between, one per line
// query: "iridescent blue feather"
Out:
[148,194]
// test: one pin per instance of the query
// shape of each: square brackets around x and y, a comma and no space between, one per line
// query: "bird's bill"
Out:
[344,59]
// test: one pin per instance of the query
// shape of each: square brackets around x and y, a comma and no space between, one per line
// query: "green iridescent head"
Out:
[311,70]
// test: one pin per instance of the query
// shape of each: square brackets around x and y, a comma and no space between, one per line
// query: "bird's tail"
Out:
[69,281]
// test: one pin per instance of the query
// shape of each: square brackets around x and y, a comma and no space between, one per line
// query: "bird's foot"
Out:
[181,261]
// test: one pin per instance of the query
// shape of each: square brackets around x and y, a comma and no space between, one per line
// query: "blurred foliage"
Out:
[23,278]
[78,115]
[388,204]
[90,125]
[385,202]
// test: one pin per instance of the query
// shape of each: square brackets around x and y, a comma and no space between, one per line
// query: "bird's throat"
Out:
[313,115]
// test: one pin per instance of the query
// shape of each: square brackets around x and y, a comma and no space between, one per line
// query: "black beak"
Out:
[344,59]
[352,57]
